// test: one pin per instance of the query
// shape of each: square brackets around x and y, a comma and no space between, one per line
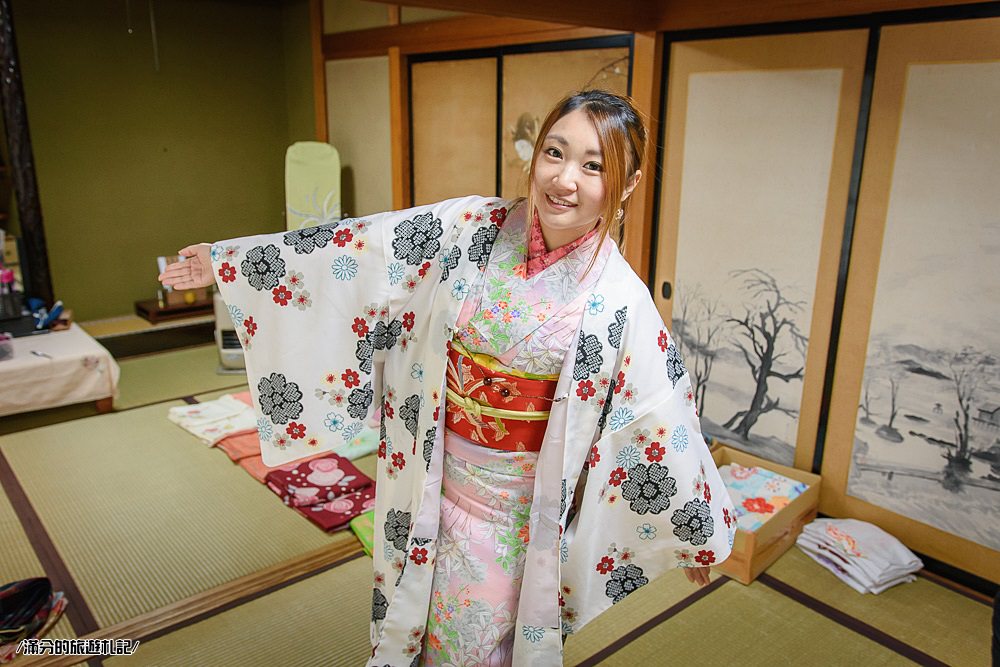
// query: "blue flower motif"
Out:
[351,431]
[236,314]
[460,289]
[395,273]
[679,439]
[333,421]
[627,457]
[532,633]
[621,418]
[264,429]
[417,372]
[345,268]
[595,304]
[647,531]
[216,252]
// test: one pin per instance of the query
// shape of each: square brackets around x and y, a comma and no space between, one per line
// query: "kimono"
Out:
[340,319]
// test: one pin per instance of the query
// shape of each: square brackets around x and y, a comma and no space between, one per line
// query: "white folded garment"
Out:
[862,555]
[212,421]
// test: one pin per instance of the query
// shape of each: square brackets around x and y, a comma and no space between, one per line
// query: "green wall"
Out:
[133,163]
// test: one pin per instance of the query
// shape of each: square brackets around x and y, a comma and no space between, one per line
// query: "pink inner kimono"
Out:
[524,311]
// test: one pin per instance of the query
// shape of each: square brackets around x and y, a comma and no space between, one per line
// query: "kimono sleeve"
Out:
[311,309]
[653,499]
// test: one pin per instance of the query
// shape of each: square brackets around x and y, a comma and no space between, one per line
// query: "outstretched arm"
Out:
[194,272]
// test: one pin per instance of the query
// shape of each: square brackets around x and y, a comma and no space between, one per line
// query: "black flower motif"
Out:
[450,262]
[359,400]
[409,412]
[417,239]
[280,399]
[649,488]
[606,408]
[397,528]
[309,238]
[616,328]
[263,267]
[675,367]
[363,352]
[384,336]
[420,541]
[379,605]
[693,523]
[429,438]
[562,500]
[482,245]
[624,580]
[588,357]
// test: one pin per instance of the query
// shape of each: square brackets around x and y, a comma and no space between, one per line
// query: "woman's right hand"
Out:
[192,273]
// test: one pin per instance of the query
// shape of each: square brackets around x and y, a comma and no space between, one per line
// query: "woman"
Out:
[537,422]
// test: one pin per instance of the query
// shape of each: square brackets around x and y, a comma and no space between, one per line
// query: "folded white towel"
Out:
[212,421]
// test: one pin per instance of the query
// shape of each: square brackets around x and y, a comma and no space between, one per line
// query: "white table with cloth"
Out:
[56,369]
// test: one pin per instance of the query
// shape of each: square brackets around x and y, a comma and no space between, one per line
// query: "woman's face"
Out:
[568,186]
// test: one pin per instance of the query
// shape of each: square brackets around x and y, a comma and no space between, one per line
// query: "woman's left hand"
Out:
[697,575]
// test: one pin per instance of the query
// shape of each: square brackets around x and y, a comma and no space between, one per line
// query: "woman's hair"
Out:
[622,137]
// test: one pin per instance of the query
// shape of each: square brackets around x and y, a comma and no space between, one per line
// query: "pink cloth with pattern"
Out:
[317,481]
[337,513]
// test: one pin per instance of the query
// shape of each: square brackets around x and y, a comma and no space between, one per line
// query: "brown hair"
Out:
[622,137]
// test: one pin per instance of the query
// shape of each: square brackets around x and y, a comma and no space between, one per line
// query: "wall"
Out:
[133,163]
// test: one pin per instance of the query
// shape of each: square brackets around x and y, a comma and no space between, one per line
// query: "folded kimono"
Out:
[862,555]
[240,446]
[758,493]
[317,481]
[338,513]
[212,421]
[363,526]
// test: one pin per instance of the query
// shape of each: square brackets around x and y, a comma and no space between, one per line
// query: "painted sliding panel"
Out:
[759,143]
[914,438]
[533,83]
[453,111]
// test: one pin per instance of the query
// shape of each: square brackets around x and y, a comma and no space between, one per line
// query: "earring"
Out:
[619,214]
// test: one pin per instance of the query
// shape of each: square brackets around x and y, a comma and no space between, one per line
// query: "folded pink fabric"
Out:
[318,481]
[255,466]
[337,513]
[238,447]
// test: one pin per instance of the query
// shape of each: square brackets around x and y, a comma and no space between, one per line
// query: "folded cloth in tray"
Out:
[318,481]
[212,421]
[758,493]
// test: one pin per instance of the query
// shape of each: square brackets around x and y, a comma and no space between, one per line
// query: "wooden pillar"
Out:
[38,282]
[399,122]
[647,75]
[319,69]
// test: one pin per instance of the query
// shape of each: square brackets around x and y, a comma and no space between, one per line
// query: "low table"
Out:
[56,369]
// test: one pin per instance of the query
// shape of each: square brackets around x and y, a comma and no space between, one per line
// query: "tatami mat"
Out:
[752,625]
[18,560]
[158,377]
[322,620]
[144,515]
[921,614]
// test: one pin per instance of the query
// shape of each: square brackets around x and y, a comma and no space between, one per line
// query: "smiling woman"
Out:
[522,371]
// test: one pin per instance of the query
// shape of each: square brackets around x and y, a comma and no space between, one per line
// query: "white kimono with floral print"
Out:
[333,318]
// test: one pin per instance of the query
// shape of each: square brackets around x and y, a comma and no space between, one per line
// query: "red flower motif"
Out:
[360,327]
[381,450]
[498,215]
[227,272]
[342,237]
[398,460]
[467,215]
[655,452]
[707,494]
[281,295]
[758,505]
[437,413]
[524,534]
[595,456]
[408,320]
[727,517]
[705,557]
[663,341]
[418,555]
[618,476]
[606,565]
[388,410]
[619,382]
[296,431]
[250,326]
[422,271]
[585,389]
[350,378]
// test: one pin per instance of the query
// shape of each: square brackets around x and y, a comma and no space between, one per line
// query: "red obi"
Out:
[496,408]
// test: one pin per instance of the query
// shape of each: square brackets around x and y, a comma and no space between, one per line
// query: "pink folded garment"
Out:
[338,512]
[317,481]
[255,465]
[245,397]
[238,447]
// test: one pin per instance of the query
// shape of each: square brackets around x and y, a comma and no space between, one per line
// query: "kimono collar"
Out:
[539,257]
